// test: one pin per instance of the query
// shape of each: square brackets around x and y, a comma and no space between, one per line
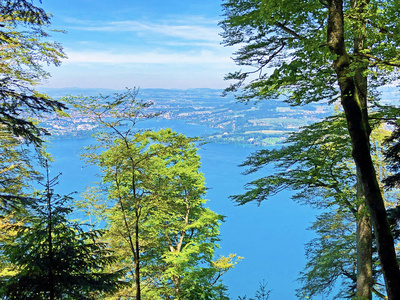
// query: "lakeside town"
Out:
[260,123]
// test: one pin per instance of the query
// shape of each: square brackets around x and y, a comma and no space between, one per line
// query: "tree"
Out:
[157,222]
[117,115]
[24,48]
[319,55]
[54,258]
[324,178]
[175,231]
[185,231]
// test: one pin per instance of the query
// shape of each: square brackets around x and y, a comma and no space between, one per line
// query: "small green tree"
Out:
[51,257]
[176,235]
[117,115]
[157,221]
[261,294]
[184,230]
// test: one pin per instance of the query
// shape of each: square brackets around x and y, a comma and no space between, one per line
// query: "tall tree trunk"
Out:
[364,254]
[365,280]
[364,248]
[359,133]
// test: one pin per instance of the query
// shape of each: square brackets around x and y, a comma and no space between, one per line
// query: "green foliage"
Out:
[269,33]
[50,257]
[284,48]
[310,164]
[156,218]
[316,163]
[177,234]
[331,257]
[16,172]
[24,48]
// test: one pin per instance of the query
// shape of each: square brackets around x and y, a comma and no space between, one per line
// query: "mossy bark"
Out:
[365,279]
[358,127]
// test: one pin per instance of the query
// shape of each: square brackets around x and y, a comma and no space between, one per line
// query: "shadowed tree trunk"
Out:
[359,132]
[364,231]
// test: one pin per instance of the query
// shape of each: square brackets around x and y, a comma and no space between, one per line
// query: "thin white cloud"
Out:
[177,52]
[202,57]
[181,29]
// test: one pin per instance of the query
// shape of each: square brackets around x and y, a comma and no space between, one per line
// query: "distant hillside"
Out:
[261,123]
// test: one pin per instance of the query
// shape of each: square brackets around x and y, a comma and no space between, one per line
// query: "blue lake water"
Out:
[271,237]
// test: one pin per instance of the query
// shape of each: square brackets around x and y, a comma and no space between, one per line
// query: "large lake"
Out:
[270,237]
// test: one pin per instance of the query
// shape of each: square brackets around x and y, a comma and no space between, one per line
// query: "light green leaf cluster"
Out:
[177,234]
[16,171]
[155,212]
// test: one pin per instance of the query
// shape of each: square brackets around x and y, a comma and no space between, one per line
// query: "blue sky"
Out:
[147,44]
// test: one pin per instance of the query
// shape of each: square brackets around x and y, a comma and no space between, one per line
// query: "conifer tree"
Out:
[51,257]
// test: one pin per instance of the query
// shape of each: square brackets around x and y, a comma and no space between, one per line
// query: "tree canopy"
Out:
[323,51]
[25,49]
[155,212]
